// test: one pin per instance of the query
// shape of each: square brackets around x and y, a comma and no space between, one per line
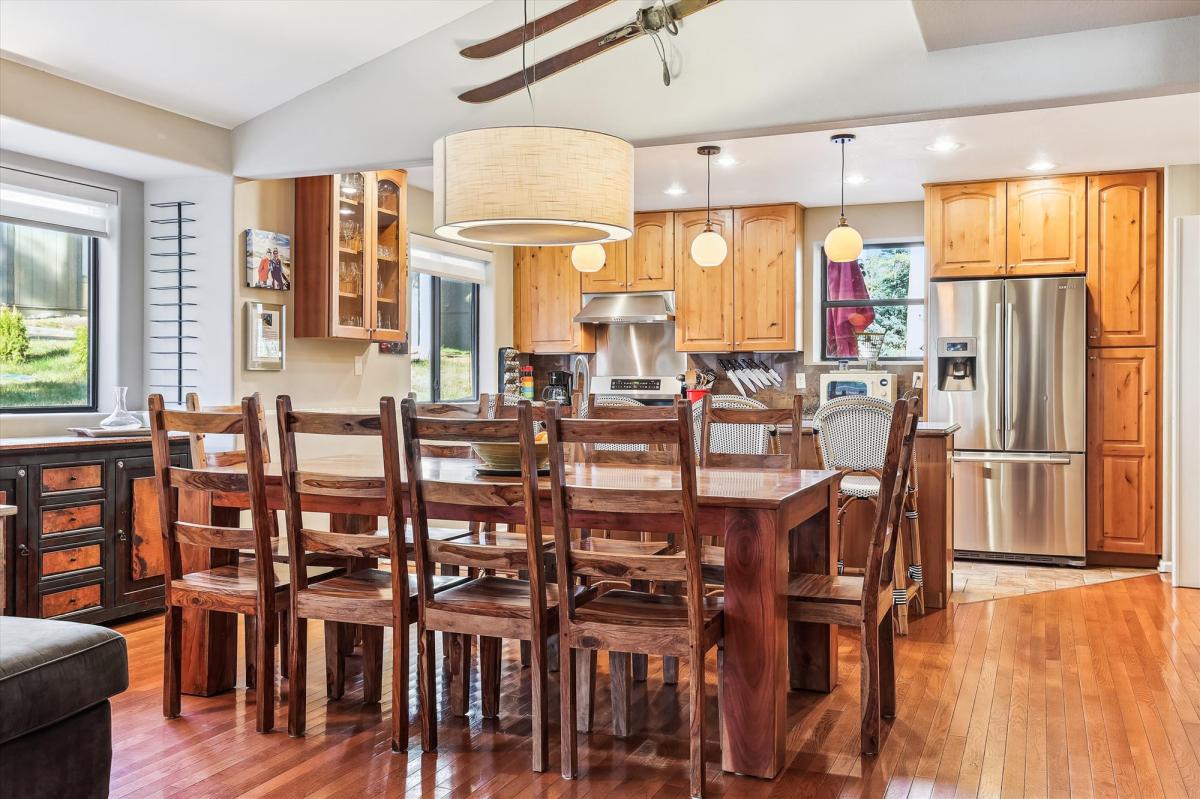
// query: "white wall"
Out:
[213,229]
[120,350]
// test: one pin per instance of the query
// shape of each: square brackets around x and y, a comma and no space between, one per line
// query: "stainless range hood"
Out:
[626,309]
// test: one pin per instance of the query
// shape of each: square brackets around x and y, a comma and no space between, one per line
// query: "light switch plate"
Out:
[918,380]
[800,381]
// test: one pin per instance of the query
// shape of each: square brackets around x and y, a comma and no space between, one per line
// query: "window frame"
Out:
[93,253]
[825,304]
[435,339]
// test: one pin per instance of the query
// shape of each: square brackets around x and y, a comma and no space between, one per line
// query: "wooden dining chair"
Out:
[256,588]
[489,606]
[866,601]
[685,626]
[367,596]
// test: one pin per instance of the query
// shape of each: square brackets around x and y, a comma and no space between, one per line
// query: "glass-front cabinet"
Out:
[351,256]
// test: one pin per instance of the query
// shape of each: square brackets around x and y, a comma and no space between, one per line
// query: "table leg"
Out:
[754,682]
[209,637]
[813,647]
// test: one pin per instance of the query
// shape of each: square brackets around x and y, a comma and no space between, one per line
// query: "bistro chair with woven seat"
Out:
[366,595]
[851,437]
[686,625]
[487,606]
[253,588]
[866,601]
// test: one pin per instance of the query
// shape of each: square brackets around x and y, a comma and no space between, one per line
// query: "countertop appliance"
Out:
[1009,357]
[558,388]
[857,383]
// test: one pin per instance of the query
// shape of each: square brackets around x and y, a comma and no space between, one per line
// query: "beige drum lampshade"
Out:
[533,186]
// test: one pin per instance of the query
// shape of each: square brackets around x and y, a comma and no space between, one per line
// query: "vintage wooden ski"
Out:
[543,24]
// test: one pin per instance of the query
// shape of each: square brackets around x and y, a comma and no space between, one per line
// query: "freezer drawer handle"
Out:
[967,457]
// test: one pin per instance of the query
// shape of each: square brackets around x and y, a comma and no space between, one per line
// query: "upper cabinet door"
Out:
[554,300]
[764,278]
[522,334]
[353,242]
[703,296]
[611,277]
[1047,226]
[1123,259]
[652,252]
[965,229]
[390,257]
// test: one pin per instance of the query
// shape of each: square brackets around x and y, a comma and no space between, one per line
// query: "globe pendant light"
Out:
[709,248]
[587,257]
[843,244]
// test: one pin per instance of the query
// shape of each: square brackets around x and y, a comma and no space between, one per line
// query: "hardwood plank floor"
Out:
[1092,691]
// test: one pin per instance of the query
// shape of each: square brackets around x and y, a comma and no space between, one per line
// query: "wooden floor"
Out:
[1088,691]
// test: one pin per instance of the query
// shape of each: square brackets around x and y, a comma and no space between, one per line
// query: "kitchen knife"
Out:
[731,373]
[752,374]
[770,370]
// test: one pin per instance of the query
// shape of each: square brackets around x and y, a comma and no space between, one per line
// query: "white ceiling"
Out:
[959,23]
[219,61]
[803,167]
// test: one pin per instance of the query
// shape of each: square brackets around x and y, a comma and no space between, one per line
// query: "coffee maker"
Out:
[559,388]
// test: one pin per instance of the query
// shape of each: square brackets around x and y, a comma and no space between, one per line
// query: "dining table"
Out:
[772,522]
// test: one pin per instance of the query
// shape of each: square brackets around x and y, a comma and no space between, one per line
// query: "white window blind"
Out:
[31,199]
[448,260]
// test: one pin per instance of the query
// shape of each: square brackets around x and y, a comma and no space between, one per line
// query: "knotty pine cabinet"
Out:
[350,253]
[547,294]
[749,302]
[1122,451]
[1123,242]
[1026,227]
[644,262]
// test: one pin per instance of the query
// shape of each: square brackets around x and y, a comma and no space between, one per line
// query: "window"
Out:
[444,336]
[47,319]
[882,293]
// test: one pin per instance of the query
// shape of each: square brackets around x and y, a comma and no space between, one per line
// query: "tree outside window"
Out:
[883,292]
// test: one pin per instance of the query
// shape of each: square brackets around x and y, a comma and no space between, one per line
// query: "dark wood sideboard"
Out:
[85,543]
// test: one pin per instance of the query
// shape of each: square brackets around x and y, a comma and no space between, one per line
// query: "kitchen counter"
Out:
[924,429]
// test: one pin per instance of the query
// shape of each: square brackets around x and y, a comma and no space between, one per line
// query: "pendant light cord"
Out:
[843,214]
[708,193]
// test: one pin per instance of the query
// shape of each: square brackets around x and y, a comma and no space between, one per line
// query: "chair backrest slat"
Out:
[582,504]
[712,415]
[511,557]
[300,484]
[491,495]
[207,535]
[201,458]
[206,480]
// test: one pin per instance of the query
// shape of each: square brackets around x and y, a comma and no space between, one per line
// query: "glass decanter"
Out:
[121,418]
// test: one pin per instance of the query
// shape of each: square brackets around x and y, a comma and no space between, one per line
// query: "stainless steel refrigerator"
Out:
[1009,366]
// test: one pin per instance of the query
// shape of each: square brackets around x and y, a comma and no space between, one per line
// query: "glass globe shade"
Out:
[709,249]
[843,244]
[587,257]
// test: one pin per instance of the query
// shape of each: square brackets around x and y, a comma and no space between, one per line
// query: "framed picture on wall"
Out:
[268,260]
[266,335]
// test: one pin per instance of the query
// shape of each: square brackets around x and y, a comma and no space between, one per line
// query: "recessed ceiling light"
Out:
[856,180]
[726,160]
[943,145]
[674,190]
[1041,166]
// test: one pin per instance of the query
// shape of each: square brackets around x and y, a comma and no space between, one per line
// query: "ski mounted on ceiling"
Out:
[649,21]
[527,33]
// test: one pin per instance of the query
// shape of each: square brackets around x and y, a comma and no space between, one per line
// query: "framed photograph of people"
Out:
[268,260]
[266,334]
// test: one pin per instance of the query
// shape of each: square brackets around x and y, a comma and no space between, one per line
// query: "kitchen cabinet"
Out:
[1123,245]
[704,297]
[765,244]
[350,253]
[1122,441]
[966,229]
[548,293]
[644,262]
[1047,226]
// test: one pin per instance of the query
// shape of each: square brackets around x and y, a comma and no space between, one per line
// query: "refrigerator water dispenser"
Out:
[956,362]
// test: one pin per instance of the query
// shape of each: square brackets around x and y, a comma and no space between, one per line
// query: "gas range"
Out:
[650,389]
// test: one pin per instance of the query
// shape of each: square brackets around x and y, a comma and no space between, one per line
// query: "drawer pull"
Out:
[23,550]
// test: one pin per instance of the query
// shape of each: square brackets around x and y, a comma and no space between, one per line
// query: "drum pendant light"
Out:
[843,244]
[709,248]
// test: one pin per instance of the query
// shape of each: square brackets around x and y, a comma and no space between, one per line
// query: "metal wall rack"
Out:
[171,332]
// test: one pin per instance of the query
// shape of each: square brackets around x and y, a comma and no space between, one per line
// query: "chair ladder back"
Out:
[605,507]
[299,485]
[766,418]
[172,479]
[881,548]
[201,458]
[487,550]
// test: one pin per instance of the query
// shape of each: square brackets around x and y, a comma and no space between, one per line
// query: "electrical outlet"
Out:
[358,365]
[918,380]
[800,381]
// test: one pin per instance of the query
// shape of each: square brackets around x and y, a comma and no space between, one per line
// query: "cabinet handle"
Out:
[120,464]
[23,550]
[121,536]
[20,472]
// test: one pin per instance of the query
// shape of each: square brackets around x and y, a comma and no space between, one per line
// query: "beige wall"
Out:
[884,222]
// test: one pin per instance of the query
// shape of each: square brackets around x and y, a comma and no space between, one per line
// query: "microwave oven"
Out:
[844,383]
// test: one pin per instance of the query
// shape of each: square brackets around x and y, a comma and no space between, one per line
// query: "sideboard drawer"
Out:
[56,479]
[65,561]
[70,600]
[76,517]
